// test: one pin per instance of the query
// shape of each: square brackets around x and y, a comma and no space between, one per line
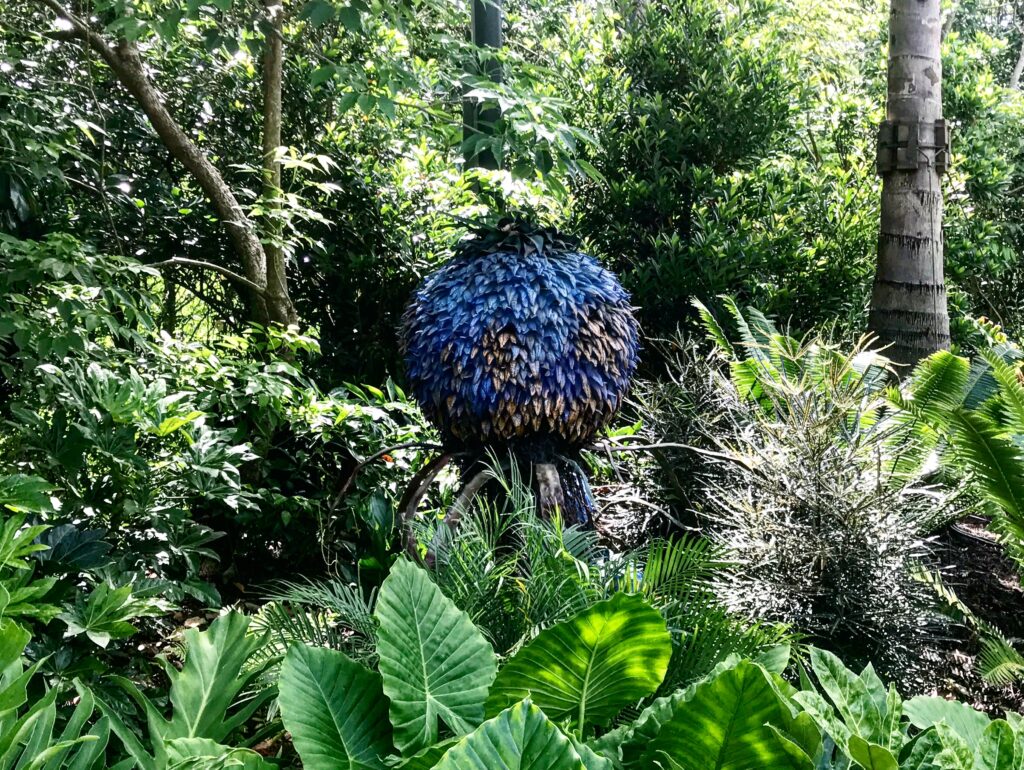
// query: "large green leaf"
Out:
[436,665]
[925,711]
[996,461]
[999,748]
[871,756]
[588,668]
[727,725]
[628,743]
[212,677]
[519,738]
[204,754]
[207,694]
[335,710]
[860,700]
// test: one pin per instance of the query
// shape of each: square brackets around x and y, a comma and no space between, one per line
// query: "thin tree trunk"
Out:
[947,26]
[486,33]
[267,304]
[908,303]
[1018,68]
[273,67]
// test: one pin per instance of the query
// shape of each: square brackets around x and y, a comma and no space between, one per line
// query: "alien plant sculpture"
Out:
[519,346]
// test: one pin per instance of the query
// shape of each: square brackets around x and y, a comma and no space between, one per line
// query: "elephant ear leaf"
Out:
[519,738]
[587,669]
[924,711]
[204,754]
[728,725]
[335,710]
[436,665]
[998,748]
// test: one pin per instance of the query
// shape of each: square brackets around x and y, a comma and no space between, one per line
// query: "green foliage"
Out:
[623,651]
[728,168]
[335,710]
[210,696]
[435,664]
[727,725]
[596,666]
[29,737]
[970,415]
[809,488]
[21,595]
[519,738]
[166,443]
[515,572]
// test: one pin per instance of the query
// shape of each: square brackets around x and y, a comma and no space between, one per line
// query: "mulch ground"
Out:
[986,580]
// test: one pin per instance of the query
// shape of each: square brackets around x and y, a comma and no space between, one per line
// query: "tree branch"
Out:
[273,75]
[1018,69]
[226,272]
[127,65]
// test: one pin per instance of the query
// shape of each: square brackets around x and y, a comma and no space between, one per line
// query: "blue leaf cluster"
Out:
[512,348]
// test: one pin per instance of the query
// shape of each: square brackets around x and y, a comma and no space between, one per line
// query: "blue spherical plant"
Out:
[520,339]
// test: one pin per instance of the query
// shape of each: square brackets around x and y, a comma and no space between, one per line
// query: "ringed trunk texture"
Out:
[908,302]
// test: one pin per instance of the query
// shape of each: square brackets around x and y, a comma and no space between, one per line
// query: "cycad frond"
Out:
[715,333]
[1011,391]
[327,613]
[675,569]
[999,663]
[995,461]
[938,385]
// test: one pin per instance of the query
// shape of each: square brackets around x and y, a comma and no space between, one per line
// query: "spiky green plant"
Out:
[813,498]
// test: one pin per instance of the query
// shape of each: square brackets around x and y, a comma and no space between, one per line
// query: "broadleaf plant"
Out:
[588,669]
[210,696]
[436,665]
[599,665]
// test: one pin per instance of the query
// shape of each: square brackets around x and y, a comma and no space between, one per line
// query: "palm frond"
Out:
[1011,391]
[327,613]
[715,333]
[675,569]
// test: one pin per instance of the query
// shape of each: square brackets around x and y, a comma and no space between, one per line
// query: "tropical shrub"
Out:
[870,726]
[184,451]
[968,415]
[29,737]
[515,572]
[563,700]
[808,491]
[213,698]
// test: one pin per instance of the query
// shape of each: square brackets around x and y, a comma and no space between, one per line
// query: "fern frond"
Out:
[1011,391]
[996,462]
[675,569]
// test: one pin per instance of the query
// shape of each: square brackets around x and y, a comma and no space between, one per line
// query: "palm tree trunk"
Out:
[908,303]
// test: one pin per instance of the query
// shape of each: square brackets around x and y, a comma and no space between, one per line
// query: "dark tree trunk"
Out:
[485,29]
